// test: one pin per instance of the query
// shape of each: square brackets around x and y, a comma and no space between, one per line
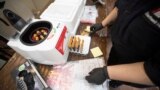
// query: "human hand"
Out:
[95,27]
[97,75]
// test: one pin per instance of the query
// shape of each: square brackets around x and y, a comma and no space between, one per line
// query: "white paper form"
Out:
[90,14]
[71,76]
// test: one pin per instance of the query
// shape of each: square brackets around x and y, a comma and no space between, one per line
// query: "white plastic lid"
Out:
[76,2]
[60,12]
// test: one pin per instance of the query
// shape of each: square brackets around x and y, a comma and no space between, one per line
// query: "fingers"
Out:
[88,79]
[95,27]
[96,76]
[92,31]
[91,72]
[92,28]
[92,79]
[94,70]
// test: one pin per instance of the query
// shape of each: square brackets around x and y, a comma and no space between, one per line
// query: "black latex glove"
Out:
[95,27]
[98,75]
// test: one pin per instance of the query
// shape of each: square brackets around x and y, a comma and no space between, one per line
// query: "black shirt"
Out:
[134,39]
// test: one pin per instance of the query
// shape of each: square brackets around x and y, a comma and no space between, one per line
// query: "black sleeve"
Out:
[152,68]
[117,3]
[120,3]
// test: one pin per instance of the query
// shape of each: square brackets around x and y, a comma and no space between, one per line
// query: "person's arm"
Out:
[146,73]
[130,73]
[107,21]
[133,73]
[111,17]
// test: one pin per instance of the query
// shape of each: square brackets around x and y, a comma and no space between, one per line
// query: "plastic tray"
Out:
[86,45]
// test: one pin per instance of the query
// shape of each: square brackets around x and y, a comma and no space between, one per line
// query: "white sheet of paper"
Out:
[71,76]
[96,52]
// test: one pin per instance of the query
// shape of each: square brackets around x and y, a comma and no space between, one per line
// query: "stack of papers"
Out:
[89,15]
[71,76]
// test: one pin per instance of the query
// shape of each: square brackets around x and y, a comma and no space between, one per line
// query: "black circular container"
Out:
[26,36]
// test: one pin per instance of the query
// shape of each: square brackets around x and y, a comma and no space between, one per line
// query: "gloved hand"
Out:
[95,27]
[98,75]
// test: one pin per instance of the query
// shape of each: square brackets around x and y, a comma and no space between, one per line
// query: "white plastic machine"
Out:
[68,12]
[52,50]
[61,19]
